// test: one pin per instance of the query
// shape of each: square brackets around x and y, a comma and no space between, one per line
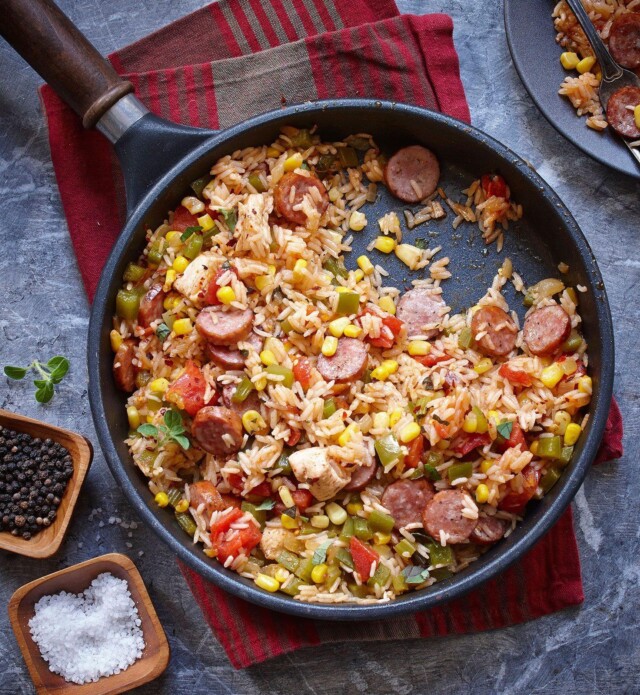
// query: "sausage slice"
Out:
[444,513]
[406,500]
[347,364]
[124,371]
[231,358]
[488,530]
[546,329]
[151,306]
[286,202]
[362,475]
[224,327]
[217,430]
[619,116]
[412,173]
[624,40]
[420,307]
[499,331]
[205,492]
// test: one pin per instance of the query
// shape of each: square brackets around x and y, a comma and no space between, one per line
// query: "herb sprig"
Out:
[50,374]
[172,430]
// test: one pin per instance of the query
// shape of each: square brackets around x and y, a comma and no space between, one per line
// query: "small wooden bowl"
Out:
[47,542]
[76,579]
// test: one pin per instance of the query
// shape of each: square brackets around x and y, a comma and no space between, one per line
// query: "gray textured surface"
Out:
[592,649]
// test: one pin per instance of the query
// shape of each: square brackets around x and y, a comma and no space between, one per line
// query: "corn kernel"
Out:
[486,465]
[134,417]
[571,434]
[193,204]
[253,422]
[380,538]
[180,264]
[264,581]
[329,346]
[340,289]
[365,265]
[182,326]
[380,373]
[470,423]
[495,416]
[285,496]
[226,295]
[174,238]
[334,194]
[319,573]
[419,347]
[569,366]
[354,507]
[358,275]
[483,366]
[551,375]
[569,60]
[320,521]
[390,365]
[347,433]
[182,506]
[381,421]
[386,244]
[585,385]
[394,416]
[260,384]
[293,162]
[281,575]
[533,447]
[116,340]
[262,281]
[337,515]
[206,222]
[159,385]
[410,432]
[585,64]
[387,304]
[299,270]
[171,301]
[482,493]
[273,152]
[161,499]
[357,221]
[268,358]
[288,523]
[561,420]
[636,115]
[169,279]
[337,326]
[352,331]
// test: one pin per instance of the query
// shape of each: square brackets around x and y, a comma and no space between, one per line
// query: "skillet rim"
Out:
[540,521]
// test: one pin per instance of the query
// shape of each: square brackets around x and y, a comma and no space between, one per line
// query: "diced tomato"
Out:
[515,502]
[466,442]
[182,219]
[391,327]
[188,390]
[211,295]
[301,498]
[363,557]
[494,184]
[430,360]
[294,437]
[442,430]
[302,373]
[236,481]
[515,376]
[241,541]
[261,490]
[413,458]
[223,522]
[516,437]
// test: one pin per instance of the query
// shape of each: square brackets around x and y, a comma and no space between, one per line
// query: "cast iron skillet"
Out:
[159,161]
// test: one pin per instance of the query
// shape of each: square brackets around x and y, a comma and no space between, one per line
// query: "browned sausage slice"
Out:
[499,331]
[444,513]
[420,307]
[224,327]
[362,475]
[406,500]
[124,371]
[286,202]
[348,363]
[251,402]
[151,306]
[217,430]
[546,329]
[205,492]
[412,173]
[624,40]
[488,530]
[621,117]
[230,358]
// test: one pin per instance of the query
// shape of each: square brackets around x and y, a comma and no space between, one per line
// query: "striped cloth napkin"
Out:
[215,67]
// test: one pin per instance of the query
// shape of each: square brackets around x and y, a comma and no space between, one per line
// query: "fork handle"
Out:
[610,69]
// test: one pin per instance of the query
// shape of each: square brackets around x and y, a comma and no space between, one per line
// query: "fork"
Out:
[613,76]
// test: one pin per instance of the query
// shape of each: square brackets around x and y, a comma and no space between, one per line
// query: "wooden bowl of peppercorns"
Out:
[42,469]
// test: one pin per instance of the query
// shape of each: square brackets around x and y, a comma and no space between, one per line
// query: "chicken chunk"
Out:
[193,283]
[314,467]
[252,230]
[272,542]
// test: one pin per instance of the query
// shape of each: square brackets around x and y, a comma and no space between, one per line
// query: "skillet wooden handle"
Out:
[61,54]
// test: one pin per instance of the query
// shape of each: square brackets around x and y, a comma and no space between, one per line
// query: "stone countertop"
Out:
[593,648]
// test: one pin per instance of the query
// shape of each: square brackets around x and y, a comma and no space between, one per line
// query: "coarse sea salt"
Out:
[84,637]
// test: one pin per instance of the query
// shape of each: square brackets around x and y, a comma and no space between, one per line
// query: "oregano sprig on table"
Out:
[50,374]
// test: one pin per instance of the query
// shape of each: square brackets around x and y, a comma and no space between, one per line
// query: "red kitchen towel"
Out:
[218,66]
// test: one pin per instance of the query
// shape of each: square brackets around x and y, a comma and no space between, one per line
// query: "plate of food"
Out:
[557,67]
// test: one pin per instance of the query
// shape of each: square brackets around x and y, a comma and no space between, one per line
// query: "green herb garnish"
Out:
[51,373]
[230,216]
[163,331]
[415,575]
[420,243]
[266,505]
[504,429]
[431,472]
[320,553]
[189,231]
[172,430]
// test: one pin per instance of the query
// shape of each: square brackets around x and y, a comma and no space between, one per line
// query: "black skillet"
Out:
[160,159]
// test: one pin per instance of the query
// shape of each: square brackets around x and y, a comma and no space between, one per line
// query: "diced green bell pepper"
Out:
[155,252]
[565,455]
[572,343]
[379,521]
[380,576]
[243,389]
[549,479]
[439,555]
[388,449]
[186,523]
[304,569]
[348,302]
[133,272]
[550,447]
[343,556]
[288,560]
[198,185]
[347,530]
[361,529]
[193,246]
[329,408]
[279,370]
[256,182]
[127,304]
[358,590]
[292,586]
[460,470]
[348,157]
[260,515]
[465,338]
[336,268]
[404,548]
